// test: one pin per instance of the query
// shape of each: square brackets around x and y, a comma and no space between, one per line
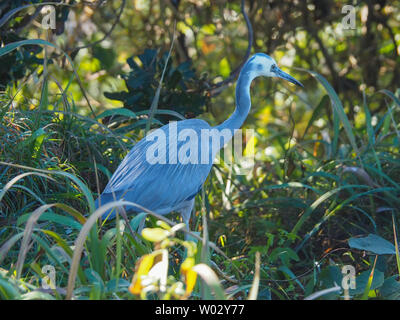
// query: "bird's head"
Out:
[263,65]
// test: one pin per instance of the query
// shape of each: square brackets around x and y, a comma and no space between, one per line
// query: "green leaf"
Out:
[368,122]
[37,295]
[362,281]
[48,216]
[391,95]
[135,222]
[316,113]
[390,289]
[374,244]
[291,275]
[337,109]
[94,278]
[208,29]
[317,202]
[224,68]
[8,291]
[117,112]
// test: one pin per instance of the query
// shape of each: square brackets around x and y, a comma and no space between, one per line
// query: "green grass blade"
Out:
[337,108]
[396,244]
[369,282]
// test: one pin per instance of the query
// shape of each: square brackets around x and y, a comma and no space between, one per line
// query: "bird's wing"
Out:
[157,186]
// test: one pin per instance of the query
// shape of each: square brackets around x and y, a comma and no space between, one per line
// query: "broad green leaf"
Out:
[374,244]
[363,280]
[390,289]
[8,291]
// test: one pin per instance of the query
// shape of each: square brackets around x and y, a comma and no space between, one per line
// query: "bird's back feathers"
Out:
[159,187]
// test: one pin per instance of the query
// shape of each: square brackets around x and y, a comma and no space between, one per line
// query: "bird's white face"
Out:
[263,65]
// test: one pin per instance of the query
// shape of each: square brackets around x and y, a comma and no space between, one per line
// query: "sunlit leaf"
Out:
[155,234]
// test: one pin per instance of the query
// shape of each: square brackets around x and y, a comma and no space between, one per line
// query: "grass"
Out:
[282,230]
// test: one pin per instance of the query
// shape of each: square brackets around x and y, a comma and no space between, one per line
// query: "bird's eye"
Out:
[273,68]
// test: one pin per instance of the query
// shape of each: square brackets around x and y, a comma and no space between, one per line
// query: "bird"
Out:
[160,175]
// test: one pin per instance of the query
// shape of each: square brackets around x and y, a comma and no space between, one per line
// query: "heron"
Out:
[168,185]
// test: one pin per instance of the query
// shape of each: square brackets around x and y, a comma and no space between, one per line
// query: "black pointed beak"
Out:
[280,74]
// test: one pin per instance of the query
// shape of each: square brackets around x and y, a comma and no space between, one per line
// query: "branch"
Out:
[218,87]
[107,34]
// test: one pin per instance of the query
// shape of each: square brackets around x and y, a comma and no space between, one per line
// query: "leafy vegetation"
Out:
[182,91]
[323,193]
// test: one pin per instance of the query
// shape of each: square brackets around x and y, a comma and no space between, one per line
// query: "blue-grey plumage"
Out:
[159,187]
[166,186]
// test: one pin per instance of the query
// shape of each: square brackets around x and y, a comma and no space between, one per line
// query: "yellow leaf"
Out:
[224,68]
[265,115]
[145,264]
[190,279]
[163,225]
[222,240]
[249,149]
[208,29]
[154,234]
[187,264]
[189,274]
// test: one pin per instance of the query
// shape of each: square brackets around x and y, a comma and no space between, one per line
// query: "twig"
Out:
[218,87]
[154,103]
[108,33]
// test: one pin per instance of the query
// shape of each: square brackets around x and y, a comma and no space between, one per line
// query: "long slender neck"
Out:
[243,102]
